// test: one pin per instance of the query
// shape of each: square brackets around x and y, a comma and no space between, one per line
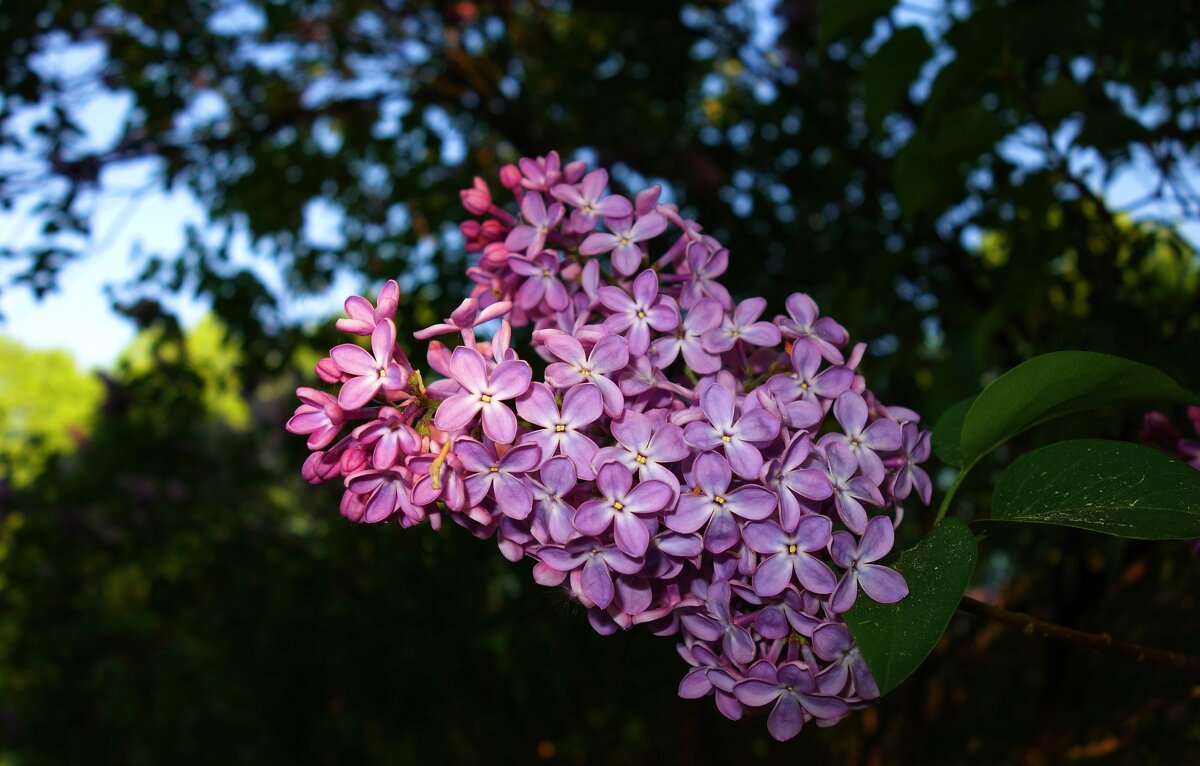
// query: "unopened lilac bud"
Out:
[328,371]
[353,459]
[478,199]
[510,176]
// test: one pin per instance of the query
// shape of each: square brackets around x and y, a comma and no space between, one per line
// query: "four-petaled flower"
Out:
[795,694]
[623,505]
[609,355]
[372,372]
[561,430]
[788,552]
[795,477]
[805,325]
[635,316]
[504,477]
[362,318]
[865,441]
[714,504]
[645,447]
[742,325]
[589,201]
[541,283]
[623,240]
[530,236]
[485,393]
[688,340]
[887,586]
[595,562]
[849,491]
[736,437]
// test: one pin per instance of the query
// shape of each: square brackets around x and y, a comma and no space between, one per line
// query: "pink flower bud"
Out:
[510,176]
[478,199]
[328,371]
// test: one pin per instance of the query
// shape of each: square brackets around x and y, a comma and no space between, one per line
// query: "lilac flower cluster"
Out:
[685,463]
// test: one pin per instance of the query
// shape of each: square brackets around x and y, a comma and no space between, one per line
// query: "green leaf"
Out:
[1117,488]
[844,17]
[947,433]
[1057,384]
[887,75]
[896,638]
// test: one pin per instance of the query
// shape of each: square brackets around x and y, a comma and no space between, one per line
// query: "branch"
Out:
[1031,626]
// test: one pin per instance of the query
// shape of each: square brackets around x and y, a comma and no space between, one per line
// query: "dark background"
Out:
[949,181]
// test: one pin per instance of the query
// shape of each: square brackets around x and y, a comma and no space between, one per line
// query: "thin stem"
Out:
[945,506]
[1031,626]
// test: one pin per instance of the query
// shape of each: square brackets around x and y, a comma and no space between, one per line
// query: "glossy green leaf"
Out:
[1117,488]
[896,638]
[1057,384]
[947,433]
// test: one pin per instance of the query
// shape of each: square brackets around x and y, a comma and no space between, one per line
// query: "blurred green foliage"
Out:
[171,592]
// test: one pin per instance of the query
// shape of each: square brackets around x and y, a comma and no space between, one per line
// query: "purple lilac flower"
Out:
[796,480]
[372,372]
[623,241]
[795,696]
[704,267]
[788,552]
[679,531]
[319,416]
[562,430]
[608,356]
[596,563]
[623,505]
[864,441]
[850,491]
[805,382]
[362,317]
[646,448]
[530,237]
[636,316]
[715,505]
[552,512]
[465,319]
[847,671]
[390,436]
[504,477]
[856,557]
[737,437]
[688,340]
[541,283]
[589,200]
[485,393]
[805,325]
[914,450]
[742,325]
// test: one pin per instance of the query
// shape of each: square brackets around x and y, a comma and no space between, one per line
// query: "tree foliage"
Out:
[952,183]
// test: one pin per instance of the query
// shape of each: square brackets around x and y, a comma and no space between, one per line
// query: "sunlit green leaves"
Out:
[947,432]
[1117,488]
[896,638]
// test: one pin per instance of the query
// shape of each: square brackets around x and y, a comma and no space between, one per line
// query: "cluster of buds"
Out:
[683,463]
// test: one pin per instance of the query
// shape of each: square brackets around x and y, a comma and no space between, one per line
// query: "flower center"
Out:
[495,469]
[623,241]
[485,399]
[617,504]
[641,459]
[382,372]
[719,500]
[545,272]
[792,548]
[560,428]
[726,438]
[641,314]
[804,385]
[854,444]
[584,371]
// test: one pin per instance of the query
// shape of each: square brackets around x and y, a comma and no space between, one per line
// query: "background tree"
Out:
[953,182]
